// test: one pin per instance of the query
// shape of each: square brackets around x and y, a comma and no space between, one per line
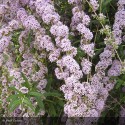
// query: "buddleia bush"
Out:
[63,59]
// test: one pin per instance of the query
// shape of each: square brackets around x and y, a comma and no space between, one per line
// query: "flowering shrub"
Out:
[62,58]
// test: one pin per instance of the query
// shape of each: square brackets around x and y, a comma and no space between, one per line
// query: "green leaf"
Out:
[28,103]
[13,105]
[52,110]
[29,39]
[37,109]
[61,103]
[119,83]
[98,52]
[10,78]
[12,97]
[49,82]
[36,94]
[26,84]
[5,56]
[40,102]
[46,94]
[80,53]
[0,101]
[105,5]
[18,58]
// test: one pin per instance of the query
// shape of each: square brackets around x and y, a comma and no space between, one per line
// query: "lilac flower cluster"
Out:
[115,69]
[99,82]
[119,22]
[80,21]
[68,69]
[89,99]
[86,66]
[94,4]
[8,9]
[28,63]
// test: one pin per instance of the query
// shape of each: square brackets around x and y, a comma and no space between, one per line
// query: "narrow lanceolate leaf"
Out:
[14,104]
[37,110]
[28,103]
[60,102]
[40,102]
[52,94]
[12,97]
[52,110]
[27,84]
[36,94]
